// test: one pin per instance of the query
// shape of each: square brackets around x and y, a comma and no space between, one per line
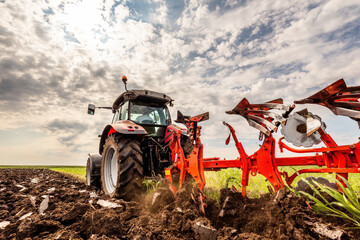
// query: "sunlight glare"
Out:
[83,18]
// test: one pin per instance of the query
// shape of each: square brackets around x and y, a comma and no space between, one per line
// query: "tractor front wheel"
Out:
[122,167]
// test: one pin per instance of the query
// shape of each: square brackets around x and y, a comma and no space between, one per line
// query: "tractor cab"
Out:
[145,108]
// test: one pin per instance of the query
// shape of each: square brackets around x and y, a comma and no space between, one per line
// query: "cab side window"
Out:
[124,111]
[116,116]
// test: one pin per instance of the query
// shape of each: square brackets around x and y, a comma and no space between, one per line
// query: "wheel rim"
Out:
[110,171]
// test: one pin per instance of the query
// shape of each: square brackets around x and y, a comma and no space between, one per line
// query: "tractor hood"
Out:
[144,94]
[128,127]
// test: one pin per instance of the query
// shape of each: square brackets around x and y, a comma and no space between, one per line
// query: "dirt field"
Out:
[42,204]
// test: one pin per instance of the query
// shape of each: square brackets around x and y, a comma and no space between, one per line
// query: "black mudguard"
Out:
[93,168]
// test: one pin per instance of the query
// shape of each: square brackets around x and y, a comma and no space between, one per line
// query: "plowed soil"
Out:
[42,204]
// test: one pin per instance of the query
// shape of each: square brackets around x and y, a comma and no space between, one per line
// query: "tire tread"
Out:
[130,172]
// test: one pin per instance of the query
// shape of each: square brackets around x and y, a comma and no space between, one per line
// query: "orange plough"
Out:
[302,129]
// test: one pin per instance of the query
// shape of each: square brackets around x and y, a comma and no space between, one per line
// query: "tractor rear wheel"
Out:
[122,167]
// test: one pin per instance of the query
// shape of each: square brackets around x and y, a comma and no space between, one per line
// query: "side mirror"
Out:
[91,109]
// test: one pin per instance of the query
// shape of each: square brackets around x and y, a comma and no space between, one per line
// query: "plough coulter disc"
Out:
[297,130]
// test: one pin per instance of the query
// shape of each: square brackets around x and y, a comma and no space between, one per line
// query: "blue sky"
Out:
[58,56]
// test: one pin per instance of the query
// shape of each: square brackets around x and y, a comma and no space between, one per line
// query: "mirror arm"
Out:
[104,107]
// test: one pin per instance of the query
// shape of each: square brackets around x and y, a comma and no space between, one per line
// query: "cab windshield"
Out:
[143,112]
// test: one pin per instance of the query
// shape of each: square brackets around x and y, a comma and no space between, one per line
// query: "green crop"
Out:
[150,184]
[345,203]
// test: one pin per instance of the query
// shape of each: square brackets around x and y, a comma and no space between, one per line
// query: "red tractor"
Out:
[135,144]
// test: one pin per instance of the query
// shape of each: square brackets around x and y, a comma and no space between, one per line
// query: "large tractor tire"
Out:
[122,168]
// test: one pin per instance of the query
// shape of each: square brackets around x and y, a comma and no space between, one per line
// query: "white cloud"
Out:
[57,56]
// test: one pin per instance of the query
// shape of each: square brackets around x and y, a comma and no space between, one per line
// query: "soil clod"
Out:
[203,228]
[69,212]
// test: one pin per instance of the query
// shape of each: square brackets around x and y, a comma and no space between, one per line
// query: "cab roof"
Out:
[143,94]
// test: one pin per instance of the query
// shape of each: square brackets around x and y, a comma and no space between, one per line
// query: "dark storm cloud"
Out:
[16,64]
[41,31]
[5,32]
[37,80]
[17,82]
[7,41]
[58,125]
[8,64]
[64,94]
[6,37]
[99,70]
[66,130]
[68,141]
[99,73]
[18,89]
